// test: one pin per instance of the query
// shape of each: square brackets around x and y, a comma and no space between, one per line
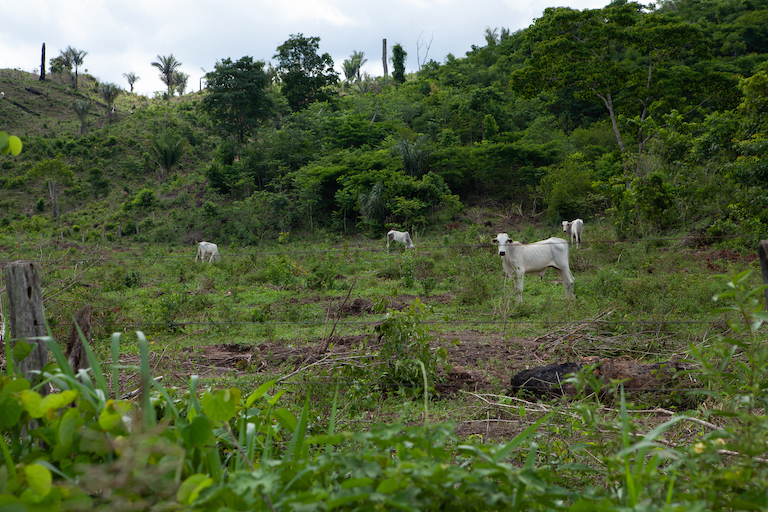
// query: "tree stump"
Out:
[25,315]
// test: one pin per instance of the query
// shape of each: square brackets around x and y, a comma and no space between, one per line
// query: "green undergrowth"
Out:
[84,446]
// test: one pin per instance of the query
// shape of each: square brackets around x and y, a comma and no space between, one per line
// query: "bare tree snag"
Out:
[25,314]
[76,355]
[762,251]
[42,65]
[384,57]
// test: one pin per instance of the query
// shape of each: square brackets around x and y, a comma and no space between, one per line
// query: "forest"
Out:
[310,367]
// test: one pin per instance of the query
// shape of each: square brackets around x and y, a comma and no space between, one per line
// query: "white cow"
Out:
[400,236]
[574,229]
[207,250]
[520,259]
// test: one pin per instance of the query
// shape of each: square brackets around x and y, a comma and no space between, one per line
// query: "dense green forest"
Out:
[655,117]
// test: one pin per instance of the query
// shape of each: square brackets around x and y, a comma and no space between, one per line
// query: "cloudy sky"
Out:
[122,36]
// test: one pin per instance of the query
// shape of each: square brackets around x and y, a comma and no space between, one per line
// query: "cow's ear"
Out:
[495,241]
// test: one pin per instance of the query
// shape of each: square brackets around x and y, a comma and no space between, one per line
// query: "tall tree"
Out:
[76,58]
[109,93]
[398,63]
[132,78]
[81,108]
[304,73]
[167,66]
[239,99]
[616,56]
[56,173]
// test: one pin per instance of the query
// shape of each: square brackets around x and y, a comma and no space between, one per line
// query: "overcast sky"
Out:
[122,36]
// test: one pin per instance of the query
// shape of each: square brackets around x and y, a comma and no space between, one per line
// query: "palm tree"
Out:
[109,93]
[353,64]
[167,149]
[167,66]
[132,78]
[82,107]
[76,57]
[180,80]
[358,59]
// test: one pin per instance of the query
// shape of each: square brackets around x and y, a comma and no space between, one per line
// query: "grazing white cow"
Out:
[400,236]
[520,259]
[574,229]
[207,250]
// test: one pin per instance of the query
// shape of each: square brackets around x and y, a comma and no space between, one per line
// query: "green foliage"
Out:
[303,72]
[167,148]
[398,63]
[406,351]
[238,100]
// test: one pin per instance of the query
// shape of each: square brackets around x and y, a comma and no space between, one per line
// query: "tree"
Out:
[303,72]
[239,99]
[81,108]
[76,58]
[353,64]
[180,80]
[617,57]
[55,172]
[167,66]
[109,93]
[132,78]
[398,63]
[166,150]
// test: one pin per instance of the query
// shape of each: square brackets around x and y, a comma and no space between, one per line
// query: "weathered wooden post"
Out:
[762,251]
[25,315]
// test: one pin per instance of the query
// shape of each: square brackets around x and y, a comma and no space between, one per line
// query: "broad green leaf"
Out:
[259,392]
[59,400]
[388,485]
[39,479]
[14,145]
[21,350]
[10,412]
[221,405]
[286,419]
[32,402]
[113,413]
[191,487]
[198,433]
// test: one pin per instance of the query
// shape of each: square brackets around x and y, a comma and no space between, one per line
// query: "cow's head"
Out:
[502,240]
[565,225]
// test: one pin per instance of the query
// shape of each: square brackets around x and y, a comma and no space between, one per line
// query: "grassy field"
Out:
[307,311]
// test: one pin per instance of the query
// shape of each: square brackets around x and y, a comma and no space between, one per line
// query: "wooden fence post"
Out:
[762,251]
[25,315]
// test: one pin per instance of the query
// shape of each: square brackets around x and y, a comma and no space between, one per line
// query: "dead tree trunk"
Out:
[25,315]
[762,250]
[384,57]
[42,65]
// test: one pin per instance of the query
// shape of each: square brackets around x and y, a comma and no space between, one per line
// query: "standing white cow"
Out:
[574,230]
[520,259]
[400,236]
[207,250]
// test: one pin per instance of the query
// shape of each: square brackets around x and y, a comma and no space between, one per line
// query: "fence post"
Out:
[762,251]
[25,315]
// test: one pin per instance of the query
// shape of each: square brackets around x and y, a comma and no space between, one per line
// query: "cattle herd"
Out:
[517,259]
